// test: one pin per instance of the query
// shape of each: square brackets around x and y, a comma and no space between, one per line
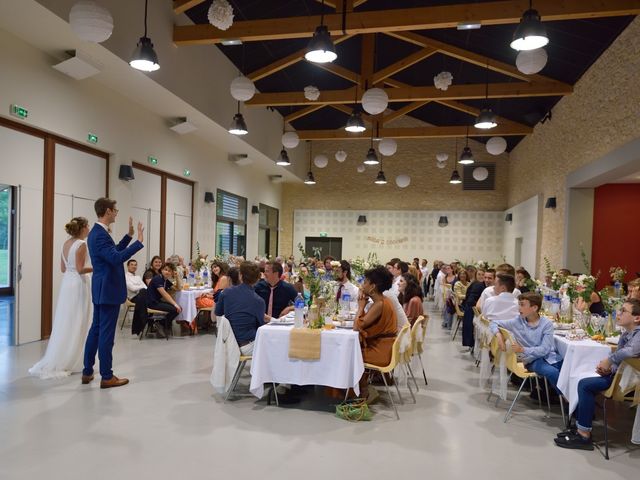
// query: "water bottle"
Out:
[345,302]
[205,278]
[192,279]
[299,311]
[617,286]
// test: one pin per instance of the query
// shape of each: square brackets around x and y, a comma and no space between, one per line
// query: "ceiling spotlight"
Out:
[455,178]
[381,179]
[238,126]
[321,48]
[355,124]
[486,119]
[144,57]
[466,157]
[310,180]
[531,33]
[283,158]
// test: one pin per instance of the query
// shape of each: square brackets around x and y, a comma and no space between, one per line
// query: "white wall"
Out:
[579,228]
[407,234]
[524,225]
[128,132]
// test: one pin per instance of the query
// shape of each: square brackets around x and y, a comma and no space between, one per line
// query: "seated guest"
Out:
[398,269]
[470,300]
[634,289]
[278,296]
[522,279]
[415,272]
[460,287]
[344,282]
[328,275]
[628,318]
[158,297]
[448,309]
[181,270]
[137,293]
[377,327]
[243,307]
[410,297]
[533,338]
[234,276]
[155,266]
[489,292]
[502,306]
[595,306]
[219,279]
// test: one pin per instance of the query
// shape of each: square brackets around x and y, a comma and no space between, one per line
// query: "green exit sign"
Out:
[18,111]
[152,160]
[187,172]
[323,234]
[91,138]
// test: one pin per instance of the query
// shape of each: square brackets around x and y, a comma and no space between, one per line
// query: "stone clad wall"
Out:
[602,114]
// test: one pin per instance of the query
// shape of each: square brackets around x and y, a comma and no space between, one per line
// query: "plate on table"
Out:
[562,326]
[612,340]
[561,333]
[346,325]
[284,321]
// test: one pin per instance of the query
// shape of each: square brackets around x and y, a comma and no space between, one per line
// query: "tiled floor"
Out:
[168,424]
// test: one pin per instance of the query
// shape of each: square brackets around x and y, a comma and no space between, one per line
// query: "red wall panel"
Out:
[616,230]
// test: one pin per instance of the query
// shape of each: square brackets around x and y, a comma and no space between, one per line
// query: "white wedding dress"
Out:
[70,324]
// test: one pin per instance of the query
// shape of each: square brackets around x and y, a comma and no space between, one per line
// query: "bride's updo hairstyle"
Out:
[75,226]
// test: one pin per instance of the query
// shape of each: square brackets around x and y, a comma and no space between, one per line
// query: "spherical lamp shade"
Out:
[530,33]
[441,164]
[403,181]
[531,61]
[220,14]
[91,22]
[242,89]
[496,145]
[387,147]
[341,156]
[321,161]
[480,174]
[375,101]
[361,168]
[311,92]
[290,139]
[321,48]
[442,157]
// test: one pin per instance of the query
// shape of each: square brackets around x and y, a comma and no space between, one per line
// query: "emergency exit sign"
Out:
[18,111]
[91,138]
[323,234]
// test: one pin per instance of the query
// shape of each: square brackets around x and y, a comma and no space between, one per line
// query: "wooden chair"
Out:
[517,368]
[129,307]
[395,357]
[154,315]
[614,392]
[417,342]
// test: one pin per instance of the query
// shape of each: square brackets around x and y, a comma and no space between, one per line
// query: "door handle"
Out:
[19,274]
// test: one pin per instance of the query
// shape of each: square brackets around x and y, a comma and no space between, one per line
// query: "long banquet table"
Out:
[187,301]
[340,364]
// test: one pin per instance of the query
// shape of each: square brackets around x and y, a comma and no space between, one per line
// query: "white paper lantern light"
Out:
[341,156]
[387,147]
[375,101]
[442,157]
[441,164]
[403,181]
[290,139]
[311,92]
[361,168]
[480,174]
[496,145]
[443,80]
[321,161]
[242,89]
[531,61]
[220,14]
[91,22]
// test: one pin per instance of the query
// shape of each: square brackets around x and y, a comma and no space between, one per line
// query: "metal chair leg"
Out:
[506,417]
[236,378]
[606,429]
[409,385]
[423,372]
[275,393]
[546,389]
[455,332]
[413,376]
[395,382]
[386,385]
[124,317]
[538,391]
[565,420]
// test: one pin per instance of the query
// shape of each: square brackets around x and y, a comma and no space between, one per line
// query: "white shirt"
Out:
[501,307]
[134,284]
[490,292]
[351,289]
[395,286]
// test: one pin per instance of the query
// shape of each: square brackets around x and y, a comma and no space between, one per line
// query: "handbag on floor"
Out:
[354,410]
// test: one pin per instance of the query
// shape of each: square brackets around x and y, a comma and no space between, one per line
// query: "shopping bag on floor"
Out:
[354,410]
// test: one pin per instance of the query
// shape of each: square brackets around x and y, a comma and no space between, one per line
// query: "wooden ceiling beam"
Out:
[417,132]
[403,19]
[403,111]
[349,110]
[181,6]
[412,94]
[468,56]
[337,4]
[339,71]
[302,113]
[461,107]
[288,61]
[400,65]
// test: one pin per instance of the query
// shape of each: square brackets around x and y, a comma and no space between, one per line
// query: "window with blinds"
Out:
[231,223]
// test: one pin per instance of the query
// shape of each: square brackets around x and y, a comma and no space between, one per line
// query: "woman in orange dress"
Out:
[378,325]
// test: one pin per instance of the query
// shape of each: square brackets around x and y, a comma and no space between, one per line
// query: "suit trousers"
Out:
[100,340]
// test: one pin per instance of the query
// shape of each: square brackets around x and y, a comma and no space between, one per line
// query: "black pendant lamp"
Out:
[238,125]
[310,180]
[466,157]
[355,124]
[455,176]
[321,48]
[486,119]
[372,158]
[381,179]
[144,57]
[283,158]
[530,33]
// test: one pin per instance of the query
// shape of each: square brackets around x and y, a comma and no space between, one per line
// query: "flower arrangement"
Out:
[483,265]
[360,265]
[610,303]
[617,274]
[581,287]
[200,260]
[313,281]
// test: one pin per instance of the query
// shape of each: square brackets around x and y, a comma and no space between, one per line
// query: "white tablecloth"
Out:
[340,364]
[187,300]
[580,359]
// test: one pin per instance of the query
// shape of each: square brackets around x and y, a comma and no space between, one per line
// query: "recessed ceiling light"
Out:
[469,25]
[232,41]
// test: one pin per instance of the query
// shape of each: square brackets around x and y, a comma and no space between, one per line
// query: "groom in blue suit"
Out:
[108,290]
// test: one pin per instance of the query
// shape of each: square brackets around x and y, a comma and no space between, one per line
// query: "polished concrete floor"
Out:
[168,424]
[7,310]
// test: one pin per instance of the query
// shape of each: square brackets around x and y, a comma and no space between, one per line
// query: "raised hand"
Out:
[130,227]
[140,231]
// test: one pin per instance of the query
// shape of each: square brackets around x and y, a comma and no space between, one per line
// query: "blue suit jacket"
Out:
[108,284]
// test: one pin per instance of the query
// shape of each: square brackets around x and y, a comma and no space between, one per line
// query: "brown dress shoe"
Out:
[86,379]
[113,382]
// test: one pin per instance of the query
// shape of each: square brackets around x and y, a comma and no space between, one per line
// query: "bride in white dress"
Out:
[73,311]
